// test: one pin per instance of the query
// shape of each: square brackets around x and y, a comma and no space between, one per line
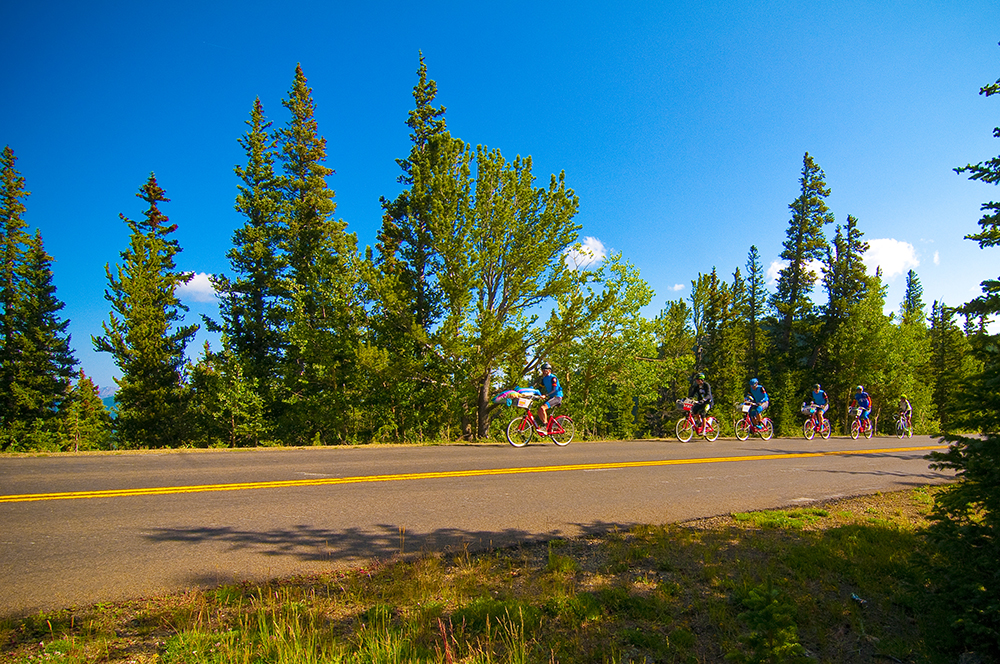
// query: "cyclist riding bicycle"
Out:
[553,396]
[863,402]
[820,400]
[701,392]
[761,401]
[905,409]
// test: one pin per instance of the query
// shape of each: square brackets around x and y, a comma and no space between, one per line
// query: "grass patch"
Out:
[823,583]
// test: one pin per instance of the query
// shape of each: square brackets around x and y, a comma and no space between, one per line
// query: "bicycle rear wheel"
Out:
[809,429]
[563,430]
[520,431]
[742,429]
[869,429]
[711,431]
[768,431]
[684,430]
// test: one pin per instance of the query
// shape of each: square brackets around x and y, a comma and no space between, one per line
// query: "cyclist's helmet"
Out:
[859,388]
[700,376]
[546,365]
[754,381]
[816,387]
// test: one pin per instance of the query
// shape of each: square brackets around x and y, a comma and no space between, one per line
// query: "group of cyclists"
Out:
[700,393]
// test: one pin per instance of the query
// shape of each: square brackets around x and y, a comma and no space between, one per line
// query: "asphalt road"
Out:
[79,529]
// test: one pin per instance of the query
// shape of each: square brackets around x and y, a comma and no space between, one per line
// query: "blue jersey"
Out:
[552,386]
[863,400]
[819,398]
[758,393]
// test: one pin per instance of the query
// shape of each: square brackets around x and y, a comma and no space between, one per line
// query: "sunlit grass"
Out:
[830,581]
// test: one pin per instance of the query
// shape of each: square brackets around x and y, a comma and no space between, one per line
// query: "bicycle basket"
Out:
[684,404]
[808,409]
[744,407]
[524,402]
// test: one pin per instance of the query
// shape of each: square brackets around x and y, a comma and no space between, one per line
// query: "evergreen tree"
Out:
[323,326]
[143,333]
[44,366]
[804,246]
[86,424]
[251,302]
[912,308]
[962,580]
[227,406]
[404,282]
[756,303]
[947,362]
[13,243]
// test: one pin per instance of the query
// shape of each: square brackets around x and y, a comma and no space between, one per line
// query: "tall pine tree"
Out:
[143,331]
[251,302]
[13,247]
[321,284]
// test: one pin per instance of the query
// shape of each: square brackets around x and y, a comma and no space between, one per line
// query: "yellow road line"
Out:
[168,490]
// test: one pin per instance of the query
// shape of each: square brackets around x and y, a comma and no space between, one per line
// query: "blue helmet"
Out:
[753,381]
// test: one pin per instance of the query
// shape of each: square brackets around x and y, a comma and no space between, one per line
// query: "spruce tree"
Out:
[44,367]
[911,310]
[320,364]
[962,580]
[804,245]
[756,305]
[86,423]
[252,302]
[13,247]
[143,331]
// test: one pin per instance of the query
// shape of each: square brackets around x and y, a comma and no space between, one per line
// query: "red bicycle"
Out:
[687,427]
[812,425]
[861,426]
[746,426]
[560,428]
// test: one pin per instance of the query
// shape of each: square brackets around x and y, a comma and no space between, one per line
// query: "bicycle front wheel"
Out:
[809,429]
[825,430]
[855,429]
[684,430]
[742,429]
[900,429]
[711,429]
[520,431]
[562,430]
[768,431]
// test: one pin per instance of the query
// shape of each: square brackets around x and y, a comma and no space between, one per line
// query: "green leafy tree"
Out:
[674,363]
[143,333]
[962,579]
[606,370]
[251,303]
[911,310]
[321,284]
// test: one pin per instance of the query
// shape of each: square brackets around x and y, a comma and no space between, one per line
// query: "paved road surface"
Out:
[75,530]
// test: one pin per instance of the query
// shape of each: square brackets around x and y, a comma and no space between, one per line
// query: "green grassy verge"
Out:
[822,584]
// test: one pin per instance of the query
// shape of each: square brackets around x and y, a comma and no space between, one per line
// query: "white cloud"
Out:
[816,267]
[199,289]
[677,287]
[937,258]
[893,256]
[585,254]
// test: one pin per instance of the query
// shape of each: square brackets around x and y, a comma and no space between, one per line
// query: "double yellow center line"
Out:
[244,486]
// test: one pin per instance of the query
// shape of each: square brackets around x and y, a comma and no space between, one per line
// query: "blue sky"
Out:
[681,125]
